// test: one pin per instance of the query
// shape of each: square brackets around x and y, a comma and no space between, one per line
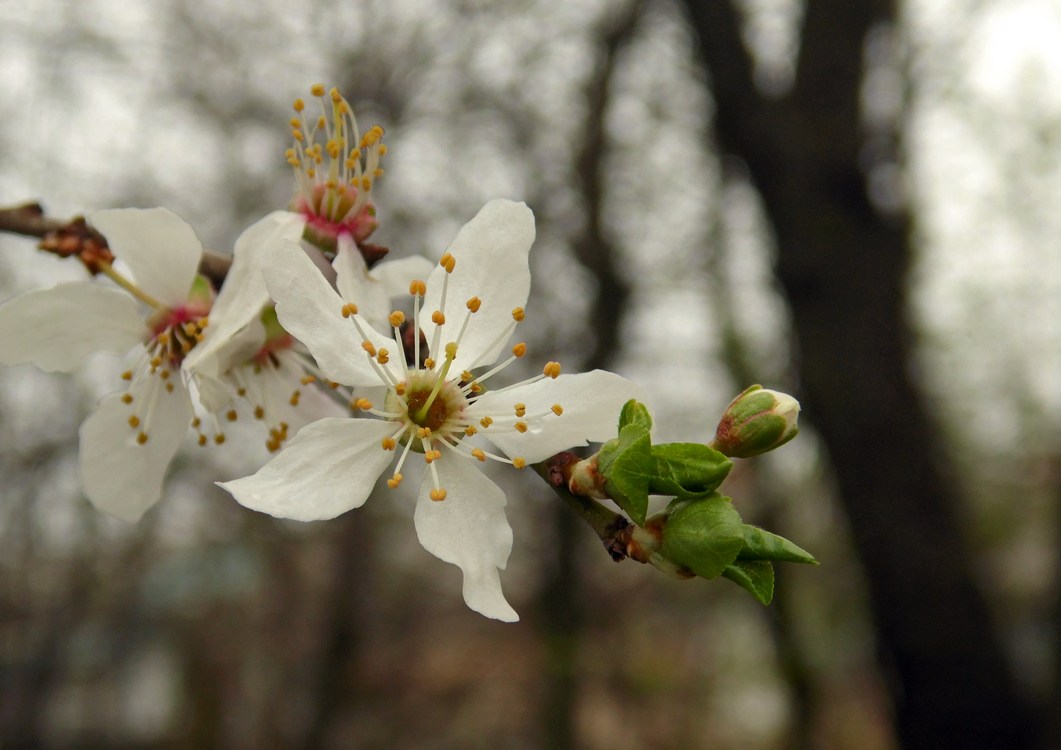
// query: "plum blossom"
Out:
[438,407]
[162,310]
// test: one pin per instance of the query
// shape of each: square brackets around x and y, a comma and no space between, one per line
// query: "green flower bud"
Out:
[755,422]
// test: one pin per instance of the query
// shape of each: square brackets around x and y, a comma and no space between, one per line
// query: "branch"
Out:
[73,237]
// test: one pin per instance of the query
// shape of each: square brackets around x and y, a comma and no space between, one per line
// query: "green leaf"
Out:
[760,544]
[635,414]
[626,462]
[755,576]
[703,534]
[684,469]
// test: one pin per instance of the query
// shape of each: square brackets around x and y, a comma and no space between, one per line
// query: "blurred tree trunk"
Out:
[843,267]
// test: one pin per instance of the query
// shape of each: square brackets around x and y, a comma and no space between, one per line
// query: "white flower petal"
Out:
[327,469]
[395,275]
[119,475]
[243,295]
[491,254]
[311,311]
[58,328]
[356,285]
[158,246]
[469,530]
[591,403]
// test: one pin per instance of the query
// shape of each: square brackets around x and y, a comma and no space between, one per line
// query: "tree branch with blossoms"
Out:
[358,368]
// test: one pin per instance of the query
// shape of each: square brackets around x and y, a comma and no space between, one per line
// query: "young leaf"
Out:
[626,462]
[755,576]
[703,534]
[760,544]
[684,469]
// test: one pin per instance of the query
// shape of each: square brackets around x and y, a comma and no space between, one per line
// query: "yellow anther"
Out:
[400,389]
[322,123]
[169,387]
[297,135]
[336,96]
[231,415]
[164,375]
[307,379]
[332,384]
[520,426]
[383,357]
[470,430]
[349,309]
[438,318]
[377,173]
[552,369]
[299,105]
[479,454]
[476,388]
[134,421]
[486,422]
[368,347]
[451,350]
[423,432]
[127,375]
[519,463]
[429,364]
[448,262]
[141,438]
[395,481]
[521,410]
[317,89]
[432,456]
[519,349]
[196,422]
[259,412]
[156,361]
[296,124]
[295,397]
[366,183]
[388,444]
[417,287]
[474,304]
[202,440]
[518,314]
[438,494]
[557,409]
[383,149]
[127,398]
[467,376]
[219,438]
[396,318]
[362,403]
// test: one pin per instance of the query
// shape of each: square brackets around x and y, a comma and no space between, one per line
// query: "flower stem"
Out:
[108,270]
[608,525]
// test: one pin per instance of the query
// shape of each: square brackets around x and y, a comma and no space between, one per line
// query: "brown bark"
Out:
[843,268]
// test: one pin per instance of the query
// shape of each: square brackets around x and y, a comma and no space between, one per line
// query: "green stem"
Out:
[108,270]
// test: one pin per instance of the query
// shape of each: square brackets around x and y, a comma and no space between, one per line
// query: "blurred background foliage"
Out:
[666,150]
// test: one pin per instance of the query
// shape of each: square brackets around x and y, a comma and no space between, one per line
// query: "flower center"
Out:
[432,409]
[335,168]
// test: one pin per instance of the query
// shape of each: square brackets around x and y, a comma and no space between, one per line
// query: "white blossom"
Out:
[438,408]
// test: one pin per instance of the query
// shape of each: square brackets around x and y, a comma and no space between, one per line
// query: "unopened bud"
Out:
[755,422]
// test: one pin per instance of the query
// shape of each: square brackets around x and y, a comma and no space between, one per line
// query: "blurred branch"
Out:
[70,237]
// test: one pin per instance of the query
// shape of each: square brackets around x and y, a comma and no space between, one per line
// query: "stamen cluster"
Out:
[335,167]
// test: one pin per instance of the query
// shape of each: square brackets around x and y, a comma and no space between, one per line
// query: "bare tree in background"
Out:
[842,263]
